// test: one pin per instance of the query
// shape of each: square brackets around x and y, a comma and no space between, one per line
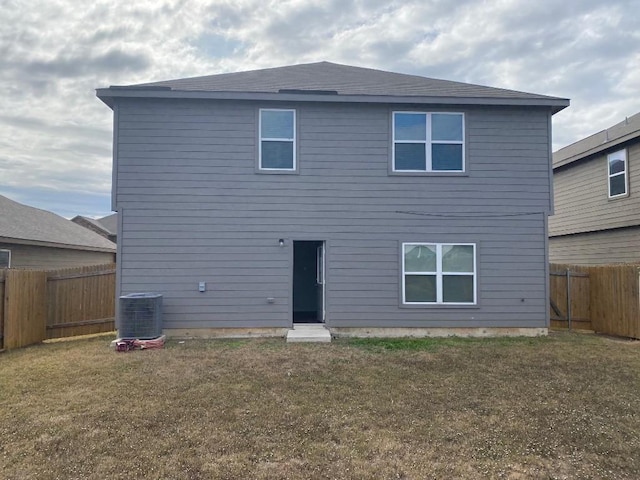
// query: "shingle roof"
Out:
[109,223]
[621,132]
[343,79]
[20,222]
[331,80]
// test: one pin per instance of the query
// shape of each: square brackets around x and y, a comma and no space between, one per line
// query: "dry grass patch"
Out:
[558,407]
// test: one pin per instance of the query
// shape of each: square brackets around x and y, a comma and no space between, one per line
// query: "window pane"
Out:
[457,288]
[616,165]
[446,127]
[277,124]
[4,258]
[420,288]
[446,157]
[277,155]
[617,185]
[410,126]
[410,156]
[419,258]
[457,258]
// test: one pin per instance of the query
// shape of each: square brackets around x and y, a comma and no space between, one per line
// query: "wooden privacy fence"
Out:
[38,305]
[570,297]
[601,298]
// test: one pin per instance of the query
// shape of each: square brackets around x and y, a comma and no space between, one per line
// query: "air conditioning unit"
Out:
[140,316]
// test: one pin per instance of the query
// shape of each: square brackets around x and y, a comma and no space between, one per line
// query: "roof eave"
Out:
[40,243]
[110,95]
[597,149]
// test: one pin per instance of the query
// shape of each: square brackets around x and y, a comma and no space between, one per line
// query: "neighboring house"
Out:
[34,238]
[105,226]
[376,202]
[597,198]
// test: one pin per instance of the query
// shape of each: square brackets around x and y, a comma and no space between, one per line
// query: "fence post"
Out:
[569,297]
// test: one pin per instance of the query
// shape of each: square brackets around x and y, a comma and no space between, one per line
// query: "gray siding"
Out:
[37,257]
[597,248]
[581,196]
[194,209]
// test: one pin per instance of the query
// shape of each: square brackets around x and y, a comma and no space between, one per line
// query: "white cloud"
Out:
[53,54]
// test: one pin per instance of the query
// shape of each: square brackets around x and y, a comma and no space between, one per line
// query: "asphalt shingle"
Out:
[21,222]
[329,77]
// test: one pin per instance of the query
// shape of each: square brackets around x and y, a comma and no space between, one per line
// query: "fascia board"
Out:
[108,95]
[39,243]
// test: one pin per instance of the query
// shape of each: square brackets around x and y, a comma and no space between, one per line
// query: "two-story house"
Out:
[374,202]
[597,206]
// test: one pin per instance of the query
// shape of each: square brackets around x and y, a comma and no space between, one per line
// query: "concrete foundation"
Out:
[357,332]
[225,332]
[437,332]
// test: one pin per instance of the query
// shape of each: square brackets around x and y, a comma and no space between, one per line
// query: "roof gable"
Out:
[331,81]
[20,222]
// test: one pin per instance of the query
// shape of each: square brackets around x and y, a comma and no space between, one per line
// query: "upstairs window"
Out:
[5,258]
[617,171]
[439,273]
[277,139]
[428,142]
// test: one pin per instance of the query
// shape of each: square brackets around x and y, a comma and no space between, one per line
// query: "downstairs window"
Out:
[438,273]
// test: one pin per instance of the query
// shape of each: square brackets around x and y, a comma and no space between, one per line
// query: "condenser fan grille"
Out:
[140,316]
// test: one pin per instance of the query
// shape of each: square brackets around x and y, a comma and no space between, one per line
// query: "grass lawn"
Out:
[565,406]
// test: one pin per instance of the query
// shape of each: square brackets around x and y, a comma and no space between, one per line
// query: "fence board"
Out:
[2,275]
[81,301]
[607,295]
[25,316]
[615,300]
[36,305]
[577,284]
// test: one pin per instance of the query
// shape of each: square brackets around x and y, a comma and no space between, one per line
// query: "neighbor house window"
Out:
[277,139]
[618,180]
[5,258]
[428,142]
[438,273]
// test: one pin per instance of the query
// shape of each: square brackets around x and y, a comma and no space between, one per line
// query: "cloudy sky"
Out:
[55,135]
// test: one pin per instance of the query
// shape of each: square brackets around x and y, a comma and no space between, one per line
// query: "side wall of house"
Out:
[37,257]
[194,209]
[581,194]
[597,248]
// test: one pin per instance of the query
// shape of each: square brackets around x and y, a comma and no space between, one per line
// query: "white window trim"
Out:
[427,142]
[275,139]
[439,274]
[624,172]
[9,251]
